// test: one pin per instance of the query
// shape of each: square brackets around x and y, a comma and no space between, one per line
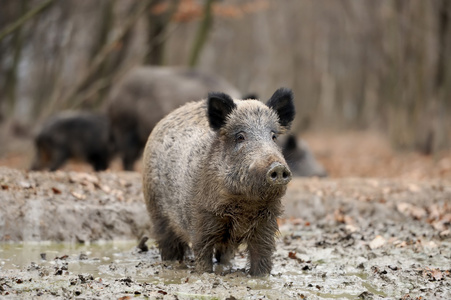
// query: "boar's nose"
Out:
[278,174]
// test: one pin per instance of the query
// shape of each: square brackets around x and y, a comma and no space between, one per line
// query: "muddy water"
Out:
[117,269]
[54,266]
[80,258]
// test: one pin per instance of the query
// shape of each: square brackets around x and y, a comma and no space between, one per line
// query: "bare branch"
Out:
[102,55]
[22,20]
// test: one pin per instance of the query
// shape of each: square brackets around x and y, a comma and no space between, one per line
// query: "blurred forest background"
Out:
[378,65]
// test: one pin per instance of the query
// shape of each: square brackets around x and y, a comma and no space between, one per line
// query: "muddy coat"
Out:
[214,177]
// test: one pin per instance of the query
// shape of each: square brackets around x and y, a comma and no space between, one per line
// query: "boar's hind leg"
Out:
[261,246]
[171,246]
[203,251]
[99,161]
[224,253]
[131,150]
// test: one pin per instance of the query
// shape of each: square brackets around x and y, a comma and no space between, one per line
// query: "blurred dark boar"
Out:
[214,177]
[81,135]
[146,94]
[300,158]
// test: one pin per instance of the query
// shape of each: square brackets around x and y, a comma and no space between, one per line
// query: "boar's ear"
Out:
[282,102]
[219,106]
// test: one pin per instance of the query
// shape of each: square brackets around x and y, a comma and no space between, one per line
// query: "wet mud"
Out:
[69,235]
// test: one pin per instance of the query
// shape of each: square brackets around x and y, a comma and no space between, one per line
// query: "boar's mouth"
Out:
[258,189]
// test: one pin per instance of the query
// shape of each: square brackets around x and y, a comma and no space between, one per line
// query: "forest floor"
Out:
[378,228]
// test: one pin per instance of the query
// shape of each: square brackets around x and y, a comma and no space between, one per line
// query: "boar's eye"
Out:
[274,136]
[240,137]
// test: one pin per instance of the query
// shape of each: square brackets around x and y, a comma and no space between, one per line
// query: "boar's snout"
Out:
[278,174]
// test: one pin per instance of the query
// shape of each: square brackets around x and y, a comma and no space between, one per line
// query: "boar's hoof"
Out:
[278,174]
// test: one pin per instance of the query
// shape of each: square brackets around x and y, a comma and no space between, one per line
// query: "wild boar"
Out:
[146,94]
[300,158]
[74,134]
[214,177]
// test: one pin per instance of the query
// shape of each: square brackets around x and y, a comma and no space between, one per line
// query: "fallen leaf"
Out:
[439,226]
[430,244]
[105,188]
[414,188]
[64,257]
[25,185]
[56,191]
[292,255]
[83,178]
[339,216]
[433,274]
[378,242]
[78,195]
[408,209]
[351,228]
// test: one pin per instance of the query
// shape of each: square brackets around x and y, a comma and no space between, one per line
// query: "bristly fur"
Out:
[205,180]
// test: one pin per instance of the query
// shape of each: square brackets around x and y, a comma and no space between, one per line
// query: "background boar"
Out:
[300,158]
[80,135]
[214,177]
[146,94]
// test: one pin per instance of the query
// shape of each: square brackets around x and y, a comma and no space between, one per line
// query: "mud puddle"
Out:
[303,269]
[64,269]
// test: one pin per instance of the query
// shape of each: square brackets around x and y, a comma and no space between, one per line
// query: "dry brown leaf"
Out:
[378,242]
[339,216]
[408,209]
[438,225]
[433,274]
[446,218]
[430,245]
[25,185]
[78,195]
[414,188]
[84,178]
[56,191]
[445,233]
[434,211]
[351,228]
[105,188]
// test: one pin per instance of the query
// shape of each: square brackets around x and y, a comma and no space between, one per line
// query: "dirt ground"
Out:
[378,228]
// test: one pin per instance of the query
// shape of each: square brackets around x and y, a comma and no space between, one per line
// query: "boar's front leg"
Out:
[208,234]
[58,158]
[261,246]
